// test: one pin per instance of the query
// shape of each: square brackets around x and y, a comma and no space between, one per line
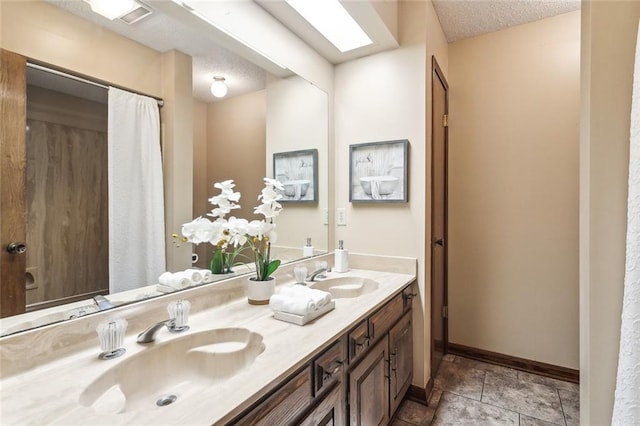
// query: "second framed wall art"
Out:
[298,173]
[378,172]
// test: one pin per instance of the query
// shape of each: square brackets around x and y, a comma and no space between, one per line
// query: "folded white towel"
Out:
[319,297]
[281,303]
[299,300]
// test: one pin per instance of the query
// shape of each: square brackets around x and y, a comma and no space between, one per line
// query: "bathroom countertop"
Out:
[49,393]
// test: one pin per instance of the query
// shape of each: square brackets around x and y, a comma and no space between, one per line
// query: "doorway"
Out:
[439,184]
[54,192]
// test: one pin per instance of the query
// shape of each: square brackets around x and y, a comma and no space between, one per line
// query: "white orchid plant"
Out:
[231,236]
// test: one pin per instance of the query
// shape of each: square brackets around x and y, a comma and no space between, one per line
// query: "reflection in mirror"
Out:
[234,138]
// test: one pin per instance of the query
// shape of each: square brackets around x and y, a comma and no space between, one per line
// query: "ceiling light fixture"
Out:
[333,21]
[112,9]
[218,87]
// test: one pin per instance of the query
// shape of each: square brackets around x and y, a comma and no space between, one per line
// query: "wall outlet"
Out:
[342,217]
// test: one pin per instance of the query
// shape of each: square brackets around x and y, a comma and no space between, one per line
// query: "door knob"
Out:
[440,242]
[17,248]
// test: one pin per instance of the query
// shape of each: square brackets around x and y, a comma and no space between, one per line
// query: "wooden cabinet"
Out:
[359,379]
[329,411]
[381,375]
[329,367]
[358,340]
[400,360]
[284,405]
[369,388]
[384,318]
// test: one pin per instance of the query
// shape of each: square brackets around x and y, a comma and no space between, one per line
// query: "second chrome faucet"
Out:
[179,312]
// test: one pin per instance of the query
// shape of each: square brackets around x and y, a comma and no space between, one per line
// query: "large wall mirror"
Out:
[265,113]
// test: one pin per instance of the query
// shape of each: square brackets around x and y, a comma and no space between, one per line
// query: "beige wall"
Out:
[513,191]
[229,143]
[297,119]
[51,35]
[609,31]
[385,97]
[236,147]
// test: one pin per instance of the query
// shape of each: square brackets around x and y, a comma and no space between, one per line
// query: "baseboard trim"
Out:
[418,394]
[529,366]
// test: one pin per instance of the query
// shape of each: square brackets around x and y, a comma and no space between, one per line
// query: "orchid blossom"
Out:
[237,232]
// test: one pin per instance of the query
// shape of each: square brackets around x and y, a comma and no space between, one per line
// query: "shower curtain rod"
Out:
[84,80]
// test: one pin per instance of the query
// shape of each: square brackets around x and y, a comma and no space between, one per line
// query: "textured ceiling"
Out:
[468,18]
[162,32]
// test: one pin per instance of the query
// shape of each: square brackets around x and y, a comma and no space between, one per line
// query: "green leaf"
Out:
[271,267]
[217,262]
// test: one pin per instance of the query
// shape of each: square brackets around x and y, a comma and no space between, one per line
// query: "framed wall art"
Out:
[298,173]
[378,172]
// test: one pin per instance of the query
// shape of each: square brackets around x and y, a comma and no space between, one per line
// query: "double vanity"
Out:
[236,364]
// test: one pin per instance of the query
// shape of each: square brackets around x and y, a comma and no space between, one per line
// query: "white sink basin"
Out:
[172,369]
[346,287]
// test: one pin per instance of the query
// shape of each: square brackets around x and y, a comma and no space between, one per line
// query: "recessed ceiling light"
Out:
[333,21]
[196,9]
[111,9]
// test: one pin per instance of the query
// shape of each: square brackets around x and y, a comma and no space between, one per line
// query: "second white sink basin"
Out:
[346,287]
[170,371]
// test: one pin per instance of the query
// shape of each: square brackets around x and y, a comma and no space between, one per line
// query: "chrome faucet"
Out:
[102,302]
[149,335]
[320,273]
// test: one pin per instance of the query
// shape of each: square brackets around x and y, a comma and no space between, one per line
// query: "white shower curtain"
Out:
[136,200]
[626,409]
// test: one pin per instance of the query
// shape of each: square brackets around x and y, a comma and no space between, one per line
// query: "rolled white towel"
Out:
[194,275]
[177,280]
[319,297]
[207,276]
[296,306]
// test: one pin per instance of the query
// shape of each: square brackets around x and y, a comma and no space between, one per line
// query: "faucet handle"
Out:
[111,335]
[179,314]
[300,273]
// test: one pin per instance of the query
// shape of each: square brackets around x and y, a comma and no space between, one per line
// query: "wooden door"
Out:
[12,182]
[439,128]
[400,360]
[369,388]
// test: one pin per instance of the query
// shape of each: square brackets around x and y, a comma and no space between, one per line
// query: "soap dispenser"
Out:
[341,261]
[307,250]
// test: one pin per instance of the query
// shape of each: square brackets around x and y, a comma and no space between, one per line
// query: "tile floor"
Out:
[468,392]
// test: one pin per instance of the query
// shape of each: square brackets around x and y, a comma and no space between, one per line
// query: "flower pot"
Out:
[259,292]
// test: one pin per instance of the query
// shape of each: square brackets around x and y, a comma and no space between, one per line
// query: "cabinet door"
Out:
[400,360]
[369,387]
[329,412]
[283,405]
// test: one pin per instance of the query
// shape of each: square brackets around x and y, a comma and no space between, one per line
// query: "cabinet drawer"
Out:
[382,320]
[284,405]
[408,295]
[329,366]
[358,340]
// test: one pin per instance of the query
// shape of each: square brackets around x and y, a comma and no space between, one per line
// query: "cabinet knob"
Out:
[17,248]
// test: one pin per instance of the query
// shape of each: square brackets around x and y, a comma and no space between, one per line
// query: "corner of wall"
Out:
[177,144]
